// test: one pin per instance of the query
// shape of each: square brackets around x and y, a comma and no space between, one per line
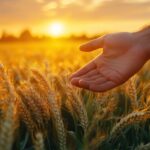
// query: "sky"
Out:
[77,16]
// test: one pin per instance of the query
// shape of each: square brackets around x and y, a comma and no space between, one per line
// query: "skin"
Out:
[123,55]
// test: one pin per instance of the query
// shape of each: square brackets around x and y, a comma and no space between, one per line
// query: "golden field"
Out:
[40,110]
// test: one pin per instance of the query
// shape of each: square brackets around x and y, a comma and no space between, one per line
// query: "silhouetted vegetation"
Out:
[27,36]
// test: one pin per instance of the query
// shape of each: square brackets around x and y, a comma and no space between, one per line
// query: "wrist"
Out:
[142,41]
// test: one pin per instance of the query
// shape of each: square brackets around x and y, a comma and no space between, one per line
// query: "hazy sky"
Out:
[78,16]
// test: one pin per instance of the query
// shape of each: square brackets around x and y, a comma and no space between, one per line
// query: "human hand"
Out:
[122,57]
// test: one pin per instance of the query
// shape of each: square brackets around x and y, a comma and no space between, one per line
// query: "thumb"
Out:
[93,44]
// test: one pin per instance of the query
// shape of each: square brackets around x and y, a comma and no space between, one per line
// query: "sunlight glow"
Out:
[56,29]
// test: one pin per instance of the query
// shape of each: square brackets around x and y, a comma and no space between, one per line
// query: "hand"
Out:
[122,57]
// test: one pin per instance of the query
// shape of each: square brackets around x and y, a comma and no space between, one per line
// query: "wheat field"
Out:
[40,110]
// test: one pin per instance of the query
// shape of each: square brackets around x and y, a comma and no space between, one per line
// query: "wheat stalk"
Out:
[39,92]
[7,128]
[103,114]
[145,93]
[131,90]
[28,99]
[54,108]
[143,147]
[112,103]
[132,118]
[78,107]
[39,142]
[43,109]
[26,116]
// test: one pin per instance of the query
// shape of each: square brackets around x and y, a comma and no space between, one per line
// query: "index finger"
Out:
[93,44]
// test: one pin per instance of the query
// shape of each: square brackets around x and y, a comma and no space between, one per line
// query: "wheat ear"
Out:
[28,97]
[54,108]
[78,107]
[145,93]
[143,147]
[131,90]
[128,120]
[7,128]
[26,116]
[39,142]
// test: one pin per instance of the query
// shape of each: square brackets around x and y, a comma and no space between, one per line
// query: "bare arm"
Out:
[143,40]
[123,55]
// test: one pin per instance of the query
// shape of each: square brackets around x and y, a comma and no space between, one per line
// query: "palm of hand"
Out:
[119,61]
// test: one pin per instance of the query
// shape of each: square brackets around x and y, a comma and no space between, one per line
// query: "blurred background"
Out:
[33,19]
[35,31]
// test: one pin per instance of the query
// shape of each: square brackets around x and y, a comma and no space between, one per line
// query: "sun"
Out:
[56,29]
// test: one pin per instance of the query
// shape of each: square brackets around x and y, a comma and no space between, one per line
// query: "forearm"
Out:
[142,38]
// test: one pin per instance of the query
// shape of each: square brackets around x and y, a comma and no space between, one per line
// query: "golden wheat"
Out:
[40,94]
[131,90]
[7,128]
[132,118]
[51,109]
[25,116]
[54,108]
[78,107]
[39,142]
[27,97]
[145,94]
[143,147]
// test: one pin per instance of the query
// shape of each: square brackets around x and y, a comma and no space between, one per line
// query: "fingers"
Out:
[94,77]
[99,85]
[75,81]
[93,45]
[90,74]
[90,66]
[84,83]
[103,87]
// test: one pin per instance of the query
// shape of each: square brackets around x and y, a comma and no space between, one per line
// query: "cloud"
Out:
[19,11]
[103,10]
[76,10]
[40,1]
[136,1]
[50,6]
[121,10]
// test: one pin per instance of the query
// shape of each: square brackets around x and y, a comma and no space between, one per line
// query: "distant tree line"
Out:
[26,36]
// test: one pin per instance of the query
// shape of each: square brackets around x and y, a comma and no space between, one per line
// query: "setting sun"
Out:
[56,29]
